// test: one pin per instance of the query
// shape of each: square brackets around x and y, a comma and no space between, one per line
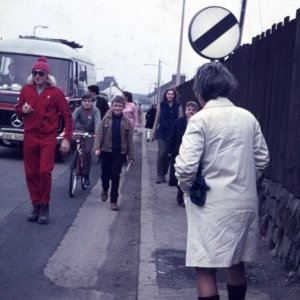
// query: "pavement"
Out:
[162,271]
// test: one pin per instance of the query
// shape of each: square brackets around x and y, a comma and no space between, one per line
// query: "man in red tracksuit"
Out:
[40,104]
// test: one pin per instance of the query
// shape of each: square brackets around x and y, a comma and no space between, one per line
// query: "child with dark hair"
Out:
[86,118]
[130,110]
[101,102]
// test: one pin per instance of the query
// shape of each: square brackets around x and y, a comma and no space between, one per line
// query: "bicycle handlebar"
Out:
[82,134]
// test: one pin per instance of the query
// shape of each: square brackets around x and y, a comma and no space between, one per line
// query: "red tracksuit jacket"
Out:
[44,120]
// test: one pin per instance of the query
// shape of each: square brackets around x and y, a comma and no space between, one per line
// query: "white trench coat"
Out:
[229,143]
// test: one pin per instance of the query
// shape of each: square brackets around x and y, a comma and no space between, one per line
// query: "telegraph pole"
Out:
[180,45]
[158,81]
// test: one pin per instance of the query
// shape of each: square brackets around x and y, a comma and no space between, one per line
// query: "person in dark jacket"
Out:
[174,142]
[166,114]
[150,118]
[101,102]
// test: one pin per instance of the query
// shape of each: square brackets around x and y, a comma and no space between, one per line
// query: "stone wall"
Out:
[280,223]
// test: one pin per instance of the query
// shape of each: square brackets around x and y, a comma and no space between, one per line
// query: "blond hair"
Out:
[50,80]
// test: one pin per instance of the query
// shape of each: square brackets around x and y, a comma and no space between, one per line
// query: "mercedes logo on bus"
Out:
[16,121]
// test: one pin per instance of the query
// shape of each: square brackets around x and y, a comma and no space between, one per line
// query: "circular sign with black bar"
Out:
[214,32]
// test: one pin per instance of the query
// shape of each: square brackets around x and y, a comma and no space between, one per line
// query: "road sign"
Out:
[214,32]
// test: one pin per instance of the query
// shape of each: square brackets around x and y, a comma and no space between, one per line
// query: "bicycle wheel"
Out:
[83,184]
[73,175]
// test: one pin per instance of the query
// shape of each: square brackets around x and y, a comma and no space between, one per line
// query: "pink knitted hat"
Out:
[41,64]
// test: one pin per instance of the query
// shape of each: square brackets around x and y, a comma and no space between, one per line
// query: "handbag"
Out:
[199,188]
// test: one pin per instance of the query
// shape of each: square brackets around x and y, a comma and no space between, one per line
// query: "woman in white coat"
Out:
[228,142]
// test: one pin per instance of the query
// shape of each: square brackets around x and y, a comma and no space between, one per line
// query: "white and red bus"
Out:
[72,69]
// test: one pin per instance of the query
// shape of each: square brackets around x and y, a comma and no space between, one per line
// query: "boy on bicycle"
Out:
[86,118]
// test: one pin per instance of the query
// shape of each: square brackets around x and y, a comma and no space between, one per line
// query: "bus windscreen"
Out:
[15,70]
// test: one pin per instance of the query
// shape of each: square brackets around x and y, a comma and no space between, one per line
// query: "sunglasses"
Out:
[87,100]
[40,73]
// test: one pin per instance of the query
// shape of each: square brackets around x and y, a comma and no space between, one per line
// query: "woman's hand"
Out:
[97,152]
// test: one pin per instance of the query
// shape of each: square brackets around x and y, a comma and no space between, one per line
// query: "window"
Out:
[21,66]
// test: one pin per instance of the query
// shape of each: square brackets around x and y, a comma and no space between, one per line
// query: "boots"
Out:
[104,196]
[44,214]
[160,179]
[33,217]
[114,206]
[87,180]
[236,292]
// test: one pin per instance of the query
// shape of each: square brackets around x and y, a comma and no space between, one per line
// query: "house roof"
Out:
[186,92]
[107,82]
[112,91]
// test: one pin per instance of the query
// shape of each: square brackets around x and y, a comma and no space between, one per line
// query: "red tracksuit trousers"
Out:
[39,155]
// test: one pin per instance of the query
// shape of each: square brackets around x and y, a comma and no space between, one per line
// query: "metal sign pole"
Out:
[242,18]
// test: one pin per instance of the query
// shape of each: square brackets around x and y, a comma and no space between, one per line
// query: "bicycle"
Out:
[77,163]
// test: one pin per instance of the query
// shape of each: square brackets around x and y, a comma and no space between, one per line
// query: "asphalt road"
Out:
[86,251]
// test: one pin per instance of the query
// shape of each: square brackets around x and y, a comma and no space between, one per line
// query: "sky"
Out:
[121,36]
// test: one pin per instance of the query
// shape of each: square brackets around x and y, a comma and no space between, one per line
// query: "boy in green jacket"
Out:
[114,140]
